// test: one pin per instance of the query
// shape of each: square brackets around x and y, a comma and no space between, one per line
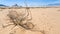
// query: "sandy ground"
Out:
[47,19]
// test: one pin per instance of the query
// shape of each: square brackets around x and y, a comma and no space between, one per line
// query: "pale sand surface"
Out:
[47,19]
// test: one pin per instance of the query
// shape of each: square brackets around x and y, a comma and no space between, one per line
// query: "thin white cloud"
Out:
[30,2]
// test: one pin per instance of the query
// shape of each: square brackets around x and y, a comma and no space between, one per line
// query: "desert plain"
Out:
[45,18]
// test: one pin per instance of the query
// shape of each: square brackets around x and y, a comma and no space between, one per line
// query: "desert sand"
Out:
[47,19]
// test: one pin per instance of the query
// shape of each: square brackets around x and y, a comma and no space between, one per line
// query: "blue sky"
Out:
[29,2]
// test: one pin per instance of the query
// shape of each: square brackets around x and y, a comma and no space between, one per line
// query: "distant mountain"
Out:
[15,5]
[56,4]
[2,5]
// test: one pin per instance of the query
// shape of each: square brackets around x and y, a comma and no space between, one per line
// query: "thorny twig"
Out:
[19,20]
[22,20]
